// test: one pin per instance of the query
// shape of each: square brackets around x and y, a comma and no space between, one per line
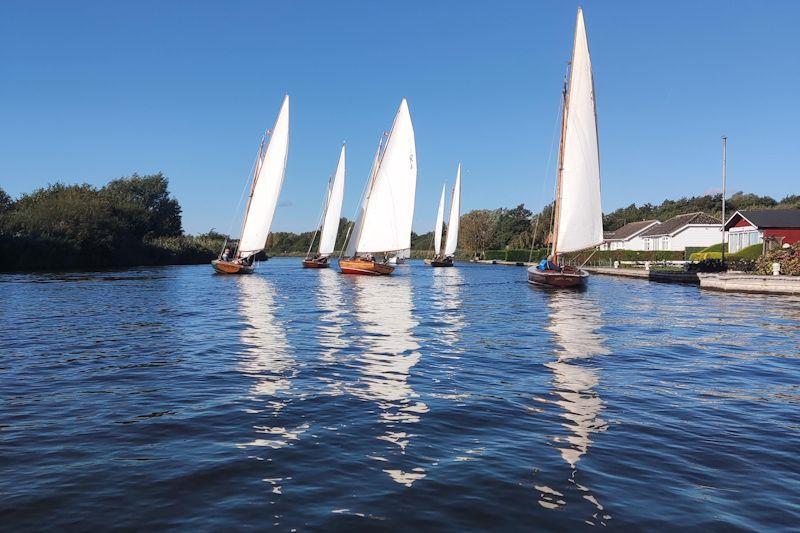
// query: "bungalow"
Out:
[692,229]
[628,237]
[746,228]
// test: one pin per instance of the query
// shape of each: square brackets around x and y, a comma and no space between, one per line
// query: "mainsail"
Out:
[333,209]
[266,187]
[579,224]
[455,217]
[384,220]
[437,236]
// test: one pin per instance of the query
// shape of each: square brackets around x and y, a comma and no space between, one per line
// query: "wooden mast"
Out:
[557,205]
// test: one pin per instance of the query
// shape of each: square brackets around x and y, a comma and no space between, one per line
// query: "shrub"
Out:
[789,259]
[742,265]
[702,256]
[708,265]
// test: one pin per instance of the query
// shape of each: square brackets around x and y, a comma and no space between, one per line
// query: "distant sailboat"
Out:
[578,220]
[330,218]
[383,224]
[266,187]
[444,258]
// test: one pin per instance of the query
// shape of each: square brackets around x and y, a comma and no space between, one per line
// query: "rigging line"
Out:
[544,181]
[364,195]
[241,196]
[324,212]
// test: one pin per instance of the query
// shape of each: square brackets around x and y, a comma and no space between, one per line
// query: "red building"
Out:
[773,226]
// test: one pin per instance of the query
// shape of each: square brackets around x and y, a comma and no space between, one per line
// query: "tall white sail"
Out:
[580,221]
[437,235]
[266,187]
[355,234]
[385,223]
[455,217]
[333,209]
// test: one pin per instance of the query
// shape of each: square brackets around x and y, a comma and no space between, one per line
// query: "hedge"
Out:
[515,255]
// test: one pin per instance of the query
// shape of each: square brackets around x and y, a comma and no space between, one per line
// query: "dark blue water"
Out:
[444,399]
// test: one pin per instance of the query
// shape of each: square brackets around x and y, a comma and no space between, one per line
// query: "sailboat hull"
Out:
[567,277]
[446,262]
[227,267]
[315,263]
[364,267]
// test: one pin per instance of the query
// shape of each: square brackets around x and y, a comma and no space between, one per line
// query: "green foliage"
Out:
[715,248]
[143,205]
[789,259]
[709,204]
[606,256]
[689,250]
[125,223]
[702,256]
[751,252]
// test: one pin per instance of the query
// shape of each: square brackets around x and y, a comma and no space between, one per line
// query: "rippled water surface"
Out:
[445,399]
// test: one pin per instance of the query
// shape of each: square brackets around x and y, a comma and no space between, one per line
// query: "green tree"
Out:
[478,230]
[145,206]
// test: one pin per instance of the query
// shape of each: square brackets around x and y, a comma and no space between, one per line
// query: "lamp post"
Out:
[724,176]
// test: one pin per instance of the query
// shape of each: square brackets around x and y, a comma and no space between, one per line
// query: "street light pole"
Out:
[724,178]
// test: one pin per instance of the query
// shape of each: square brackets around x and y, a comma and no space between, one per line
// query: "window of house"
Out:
[665,243]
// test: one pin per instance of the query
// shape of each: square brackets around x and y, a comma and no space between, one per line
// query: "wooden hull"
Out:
[364,267]
[446,262]
[565,278]
[315,263]
[226,267]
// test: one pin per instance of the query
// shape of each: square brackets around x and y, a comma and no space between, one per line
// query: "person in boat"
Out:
[226,255]
[547,264]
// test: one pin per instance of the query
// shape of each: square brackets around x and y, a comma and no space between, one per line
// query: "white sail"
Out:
[333,209]
[455,217]
[385,224]
[437,236]
[355,234]
[266,187]
[580,222]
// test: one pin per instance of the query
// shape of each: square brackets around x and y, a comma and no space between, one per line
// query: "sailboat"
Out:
[383,224]
[578,220]
[444,258]
[329,228]
[267,181]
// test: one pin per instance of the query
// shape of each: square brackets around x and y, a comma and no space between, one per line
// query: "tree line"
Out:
[129,221]
[136,221]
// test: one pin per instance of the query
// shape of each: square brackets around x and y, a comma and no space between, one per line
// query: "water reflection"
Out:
[575,321]
[383,306]
[331,326]
[446,290]
[267,358]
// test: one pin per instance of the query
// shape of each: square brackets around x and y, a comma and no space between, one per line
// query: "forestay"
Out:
[437,236]
[455,217]
[333,209]
[384,224]
[266,187]
[580,223]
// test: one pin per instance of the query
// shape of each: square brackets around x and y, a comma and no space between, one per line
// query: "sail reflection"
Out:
[446,289]
[331,324]
[267,359]
[383,306]
[575,322]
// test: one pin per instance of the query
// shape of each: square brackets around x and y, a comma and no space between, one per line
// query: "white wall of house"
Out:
[635,243]
[692,235]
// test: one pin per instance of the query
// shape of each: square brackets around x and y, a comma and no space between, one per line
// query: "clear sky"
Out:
[91,91]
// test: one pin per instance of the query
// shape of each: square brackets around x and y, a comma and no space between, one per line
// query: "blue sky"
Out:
[96,90]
